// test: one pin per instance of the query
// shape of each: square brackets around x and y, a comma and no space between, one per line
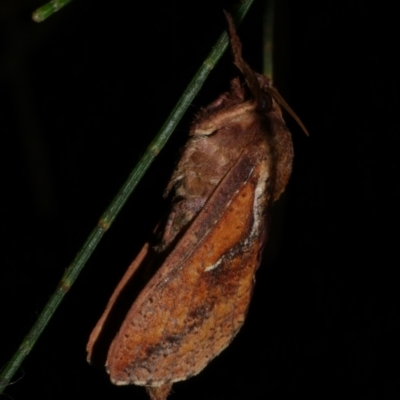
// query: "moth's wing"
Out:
[196,303]
[121,285]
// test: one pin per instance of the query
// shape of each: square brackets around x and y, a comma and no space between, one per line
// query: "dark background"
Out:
[83,93]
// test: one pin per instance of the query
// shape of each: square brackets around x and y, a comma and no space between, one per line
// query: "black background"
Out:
[81,96]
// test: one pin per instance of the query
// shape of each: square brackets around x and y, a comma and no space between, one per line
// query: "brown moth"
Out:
[235,164]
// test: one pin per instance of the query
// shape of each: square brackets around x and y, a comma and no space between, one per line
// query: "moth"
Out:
[236,163]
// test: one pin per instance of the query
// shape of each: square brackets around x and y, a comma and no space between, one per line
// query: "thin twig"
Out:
[119,200]
[48,9]
[268,38]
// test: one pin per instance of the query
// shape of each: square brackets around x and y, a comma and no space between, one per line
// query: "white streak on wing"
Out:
[211,267]
[259,197]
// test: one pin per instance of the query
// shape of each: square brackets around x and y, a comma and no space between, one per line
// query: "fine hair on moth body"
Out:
[235,164]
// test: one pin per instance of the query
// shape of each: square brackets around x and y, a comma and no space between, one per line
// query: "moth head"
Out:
[258,85]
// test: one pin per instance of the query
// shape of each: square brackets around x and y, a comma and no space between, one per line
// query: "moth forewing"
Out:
[203,289]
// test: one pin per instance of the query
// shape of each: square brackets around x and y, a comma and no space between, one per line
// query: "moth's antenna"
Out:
[275,94]
[243,67]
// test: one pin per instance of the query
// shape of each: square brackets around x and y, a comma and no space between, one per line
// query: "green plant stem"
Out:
[268,38]
[119,200]
[48,9]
